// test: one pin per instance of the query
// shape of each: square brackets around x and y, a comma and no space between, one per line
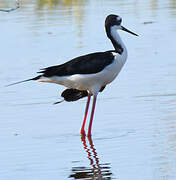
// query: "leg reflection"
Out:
[95,171]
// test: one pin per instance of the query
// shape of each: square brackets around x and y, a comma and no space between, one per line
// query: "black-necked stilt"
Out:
[87,75]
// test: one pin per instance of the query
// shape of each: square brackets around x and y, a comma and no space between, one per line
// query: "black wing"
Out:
[87,64]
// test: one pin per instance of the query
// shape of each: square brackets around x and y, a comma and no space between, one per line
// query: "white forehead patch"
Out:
[118,18]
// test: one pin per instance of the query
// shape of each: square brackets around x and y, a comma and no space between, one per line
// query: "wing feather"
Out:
[87,64]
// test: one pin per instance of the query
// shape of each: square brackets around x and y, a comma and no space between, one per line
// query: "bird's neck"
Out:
[116,40]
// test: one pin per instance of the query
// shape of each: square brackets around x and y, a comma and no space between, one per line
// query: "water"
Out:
[134,130]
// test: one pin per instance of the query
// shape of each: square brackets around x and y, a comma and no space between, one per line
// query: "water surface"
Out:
[134,130]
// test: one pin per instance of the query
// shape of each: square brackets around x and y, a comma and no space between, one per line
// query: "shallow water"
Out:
[134,130]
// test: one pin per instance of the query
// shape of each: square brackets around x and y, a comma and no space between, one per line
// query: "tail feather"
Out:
[35,78]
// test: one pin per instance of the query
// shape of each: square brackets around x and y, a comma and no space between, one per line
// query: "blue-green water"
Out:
[134,129]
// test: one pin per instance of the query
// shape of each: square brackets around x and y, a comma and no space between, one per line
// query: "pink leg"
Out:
[85,115]
[91,117]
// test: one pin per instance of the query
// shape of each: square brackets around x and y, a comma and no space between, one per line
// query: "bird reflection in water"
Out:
[97,171]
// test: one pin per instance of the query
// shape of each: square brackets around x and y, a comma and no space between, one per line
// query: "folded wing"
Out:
[87,64]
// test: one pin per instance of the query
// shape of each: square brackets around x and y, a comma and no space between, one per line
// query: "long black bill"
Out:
[124,29]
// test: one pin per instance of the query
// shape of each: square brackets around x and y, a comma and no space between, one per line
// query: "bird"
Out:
[87,75]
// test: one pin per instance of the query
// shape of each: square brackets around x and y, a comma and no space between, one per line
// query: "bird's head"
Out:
[115,22]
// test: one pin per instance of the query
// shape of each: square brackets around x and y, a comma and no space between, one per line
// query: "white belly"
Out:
[90,82]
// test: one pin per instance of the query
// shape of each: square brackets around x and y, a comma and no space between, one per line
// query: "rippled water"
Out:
[134,130]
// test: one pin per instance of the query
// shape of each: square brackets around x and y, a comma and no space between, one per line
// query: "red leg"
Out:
[85,115]
[91,116]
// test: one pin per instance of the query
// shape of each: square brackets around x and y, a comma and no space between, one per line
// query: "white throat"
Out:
[117,38]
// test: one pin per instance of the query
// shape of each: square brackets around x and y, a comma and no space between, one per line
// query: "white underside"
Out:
[90,82]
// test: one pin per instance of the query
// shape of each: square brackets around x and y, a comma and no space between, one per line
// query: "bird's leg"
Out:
[85,115]
[91,116]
